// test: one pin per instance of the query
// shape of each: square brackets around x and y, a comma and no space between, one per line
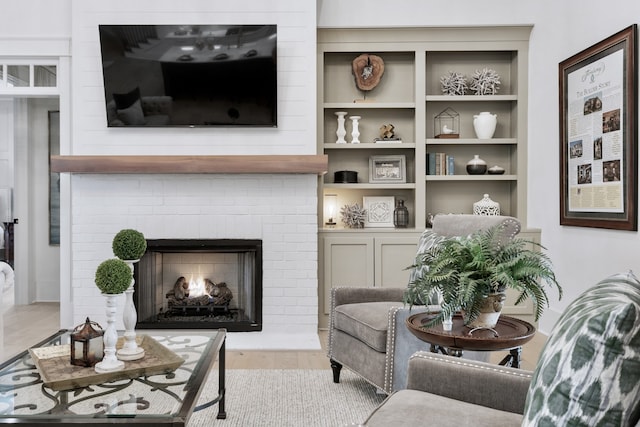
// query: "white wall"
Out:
[296,78]
[582,256]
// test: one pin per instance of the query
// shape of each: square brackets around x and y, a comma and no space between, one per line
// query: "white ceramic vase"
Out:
[355,132]
[341,132]
[485,124]
[130,349]
[110,362]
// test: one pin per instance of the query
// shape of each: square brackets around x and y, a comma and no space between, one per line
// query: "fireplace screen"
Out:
[200,284]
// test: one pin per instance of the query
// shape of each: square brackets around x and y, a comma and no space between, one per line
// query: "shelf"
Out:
[471,141]
[471,177]
[340,229]
[369,145]
[467,98]
[285,164]
[368,105]
[369,186]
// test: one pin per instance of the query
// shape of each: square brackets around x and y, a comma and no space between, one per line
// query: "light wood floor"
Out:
[26,325]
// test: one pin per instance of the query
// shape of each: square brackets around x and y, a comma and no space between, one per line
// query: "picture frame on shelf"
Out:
[598,93]
[379,211]
[388,169]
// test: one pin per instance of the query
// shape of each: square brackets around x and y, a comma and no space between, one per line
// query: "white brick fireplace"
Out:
[279,209]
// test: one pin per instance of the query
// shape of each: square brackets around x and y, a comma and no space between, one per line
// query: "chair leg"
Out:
[335,366]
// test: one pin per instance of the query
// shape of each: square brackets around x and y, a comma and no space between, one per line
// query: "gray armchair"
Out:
[367,331]
[588,374]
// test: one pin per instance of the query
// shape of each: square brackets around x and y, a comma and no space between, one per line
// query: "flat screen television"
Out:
[189,75]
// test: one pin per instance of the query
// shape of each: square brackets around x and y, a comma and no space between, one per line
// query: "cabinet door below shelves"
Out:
[392,256]
[348,261]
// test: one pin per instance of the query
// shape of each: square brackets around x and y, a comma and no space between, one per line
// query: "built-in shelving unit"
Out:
[409,96]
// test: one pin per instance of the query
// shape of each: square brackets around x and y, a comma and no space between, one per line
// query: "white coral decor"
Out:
[454,84]
[485,82]
[353,215]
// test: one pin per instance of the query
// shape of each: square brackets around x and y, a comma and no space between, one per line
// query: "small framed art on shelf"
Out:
[391,169]
[379,211]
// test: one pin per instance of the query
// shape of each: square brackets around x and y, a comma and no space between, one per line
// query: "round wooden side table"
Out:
[509,334]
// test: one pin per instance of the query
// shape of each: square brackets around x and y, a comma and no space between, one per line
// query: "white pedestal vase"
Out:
[341,132]
[110,362]
[484,125]
[130,349]
[355,132]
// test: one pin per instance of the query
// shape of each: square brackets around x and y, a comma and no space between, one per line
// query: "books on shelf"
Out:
[440,164]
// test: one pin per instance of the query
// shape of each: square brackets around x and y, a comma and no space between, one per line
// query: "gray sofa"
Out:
[588,374]
[367,331]
[156,111]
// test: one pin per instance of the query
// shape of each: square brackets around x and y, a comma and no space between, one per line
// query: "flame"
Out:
[197,288]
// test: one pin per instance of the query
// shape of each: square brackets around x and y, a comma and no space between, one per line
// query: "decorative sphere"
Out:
[113,276]
[129,244]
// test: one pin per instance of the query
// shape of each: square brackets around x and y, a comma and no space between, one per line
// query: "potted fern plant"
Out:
[470,274]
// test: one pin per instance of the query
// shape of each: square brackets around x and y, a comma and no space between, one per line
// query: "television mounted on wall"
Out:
[189,75]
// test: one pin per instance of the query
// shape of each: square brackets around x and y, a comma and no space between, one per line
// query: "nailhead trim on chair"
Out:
[391,339]
[460,362]
[331,321]
[515,223]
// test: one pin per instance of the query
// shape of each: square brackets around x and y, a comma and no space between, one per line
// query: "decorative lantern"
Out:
[447,124]
[87,346]
[401,215]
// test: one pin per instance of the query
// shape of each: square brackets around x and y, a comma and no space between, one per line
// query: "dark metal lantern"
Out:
[401,215]
[87,345]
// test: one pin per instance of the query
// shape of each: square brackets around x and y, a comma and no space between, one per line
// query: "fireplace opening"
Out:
[200,284]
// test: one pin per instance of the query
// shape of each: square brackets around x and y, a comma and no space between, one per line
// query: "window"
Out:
[27,77]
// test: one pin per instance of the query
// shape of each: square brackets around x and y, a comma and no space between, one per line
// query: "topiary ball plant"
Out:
[113,276]
[129,244]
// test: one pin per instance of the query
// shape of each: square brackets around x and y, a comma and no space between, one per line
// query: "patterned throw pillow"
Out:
[588,373]
[428,239]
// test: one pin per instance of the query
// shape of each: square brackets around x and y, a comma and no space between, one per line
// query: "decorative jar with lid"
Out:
[486,206]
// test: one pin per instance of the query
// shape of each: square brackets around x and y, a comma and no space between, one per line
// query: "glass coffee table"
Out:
[160,399]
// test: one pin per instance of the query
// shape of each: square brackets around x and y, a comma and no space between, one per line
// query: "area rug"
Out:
[288,397]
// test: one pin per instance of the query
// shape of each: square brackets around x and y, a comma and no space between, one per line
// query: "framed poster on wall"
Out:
[598,134]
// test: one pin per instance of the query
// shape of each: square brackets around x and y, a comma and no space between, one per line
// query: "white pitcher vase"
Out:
[485,124]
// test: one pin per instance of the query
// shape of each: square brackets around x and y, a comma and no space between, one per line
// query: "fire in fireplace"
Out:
[214,283]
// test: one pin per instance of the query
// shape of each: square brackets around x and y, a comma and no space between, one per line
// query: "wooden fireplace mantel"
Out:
[285,164]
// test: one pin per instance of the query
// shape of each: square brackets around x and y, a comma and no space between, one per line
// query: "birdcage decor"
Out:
[447,124]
